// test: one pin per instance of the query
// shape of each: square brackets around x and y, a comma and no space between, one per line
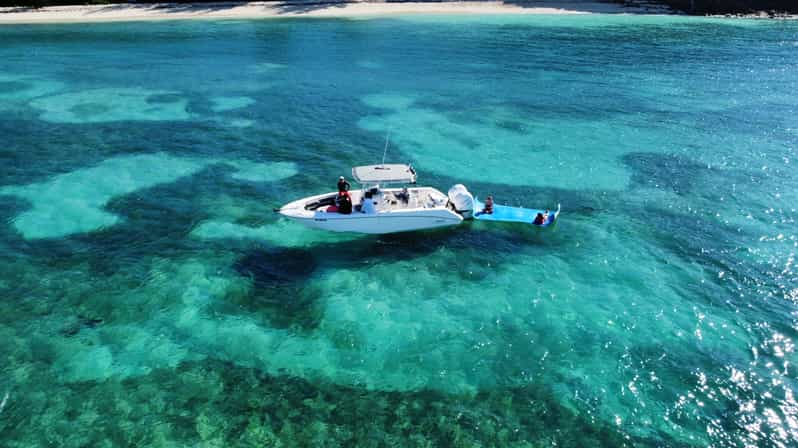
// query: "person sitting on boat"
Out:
[344,202]
[541,218]
[488,209]
[403,195]
[343,185]
[368,204]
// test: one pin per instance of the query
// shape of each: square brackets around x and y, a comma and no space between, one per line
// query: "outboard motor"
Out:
[462,201]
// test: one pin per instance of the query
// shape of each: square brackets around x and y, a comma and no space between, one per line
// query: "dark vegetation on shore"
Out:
[698,7]
[733,6]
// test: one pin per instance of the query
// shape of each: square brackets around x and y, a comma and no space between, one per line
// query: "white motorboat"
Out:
[403,209]
[377,209]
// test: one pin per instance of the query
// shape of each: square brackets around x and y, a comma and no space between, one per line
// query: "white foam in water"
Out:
[225,103]
[480,147]
[72,202]
[112,104]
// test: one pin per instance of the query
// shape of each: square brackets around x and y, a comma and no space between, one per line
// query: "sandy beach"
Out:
[172,11]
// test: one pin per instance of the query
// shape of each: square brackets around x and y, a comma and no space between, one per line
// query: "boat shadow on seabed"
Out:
[282,294]
[473,245]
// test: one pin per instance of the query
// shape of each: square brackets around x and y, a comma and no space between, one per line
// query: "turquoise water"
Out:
[150,296]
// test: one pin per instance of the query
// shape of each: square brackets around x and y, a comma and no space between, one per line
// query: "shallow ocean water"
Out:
[150,296]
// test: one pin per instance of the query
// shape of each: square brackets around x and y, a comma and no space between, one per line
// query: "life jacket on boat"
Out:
[539,220]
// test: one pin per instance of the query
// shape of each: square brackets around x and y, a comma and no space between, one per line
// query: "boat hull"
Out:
[382,224]
[390,221]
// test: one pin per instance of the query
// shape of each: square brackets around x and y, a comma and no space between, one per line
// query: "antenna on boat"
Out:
[385,150]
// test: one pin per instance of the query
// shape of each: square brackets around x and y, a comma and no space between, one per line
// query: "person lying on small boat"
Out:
[343,185]
[541,219]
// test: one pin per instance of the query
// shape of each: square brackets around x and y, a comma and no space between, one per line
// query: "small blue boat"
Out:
[504,213]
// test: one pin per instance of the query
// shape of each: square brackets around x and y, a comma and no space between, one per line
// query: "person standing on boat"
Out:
[343,185]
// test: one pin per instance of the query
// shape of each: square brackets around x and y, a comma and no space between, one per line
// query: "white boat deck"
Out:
[393,200]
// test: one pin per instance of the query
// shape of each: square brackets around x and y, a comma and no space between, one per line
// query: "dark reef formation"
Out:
[218,404]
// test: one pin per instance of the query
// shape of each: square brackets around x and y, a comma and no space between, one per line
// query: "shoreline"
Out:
[124,12]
